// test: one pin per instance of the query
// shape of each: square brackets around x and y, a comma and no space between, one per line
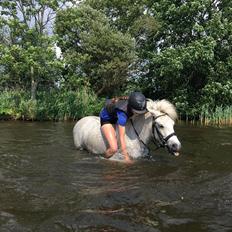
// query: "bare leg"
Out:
[110,135]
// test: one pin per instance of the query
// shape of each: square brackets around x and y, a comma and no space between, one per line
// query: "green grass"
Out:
[52,105]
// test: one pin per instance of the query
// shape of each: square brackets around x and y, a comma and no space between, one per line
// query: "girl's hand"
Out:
[128,160]
[126,156]
[123,143]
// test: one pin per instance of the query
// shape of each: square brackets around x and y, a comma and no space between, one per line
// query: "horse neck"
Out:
[143,126]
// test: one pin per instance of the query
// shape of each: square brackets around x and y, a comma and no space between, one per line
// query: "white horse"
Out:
[157,124]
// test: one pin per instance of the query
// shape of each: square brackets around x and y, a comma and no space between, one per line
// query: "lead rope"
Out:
[137,134]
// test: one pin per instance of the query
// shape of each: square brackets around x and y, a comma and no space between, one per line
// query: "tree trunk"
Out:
[33,85]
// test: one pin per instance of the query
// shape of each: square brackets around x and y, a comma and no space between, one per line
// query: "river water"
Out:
[46,185]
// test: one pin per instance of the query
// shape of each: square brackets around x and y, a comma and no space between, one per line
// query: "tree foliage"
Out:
[174,49]
[27,57]
[99,55]
[193,44]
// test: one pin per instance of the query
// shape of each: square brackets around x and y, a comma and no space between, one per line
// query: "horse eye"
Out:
[161,126]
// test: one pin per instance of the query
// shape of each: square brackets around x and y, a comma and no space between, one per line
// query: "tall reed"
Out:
[51,105]
[219,116]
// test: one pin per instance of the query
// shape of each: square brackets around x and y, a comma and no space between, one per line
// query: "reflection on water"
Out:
[47,185]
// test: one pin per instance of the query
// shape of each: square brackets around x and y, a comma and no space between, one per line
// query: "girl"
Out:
[118,111]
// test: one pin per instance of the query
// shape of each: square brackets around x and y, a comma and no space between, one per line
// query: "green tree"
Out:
[94,53]
[184,47]
[27,59]
[190,51]
[122,14]
[136,18]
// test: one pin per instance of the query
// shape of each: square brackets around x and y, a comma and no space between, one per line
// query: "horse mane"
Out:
[163,106]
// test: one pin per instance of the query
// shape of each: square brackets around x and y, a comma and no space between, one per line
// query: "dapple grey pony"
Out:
[157,124]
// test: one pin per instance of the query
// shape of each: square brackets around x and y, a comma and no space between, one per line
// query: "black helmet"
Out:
[137,102]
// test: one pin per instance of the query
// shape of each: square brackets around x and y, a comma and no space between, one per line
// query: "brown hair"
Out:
[116,99]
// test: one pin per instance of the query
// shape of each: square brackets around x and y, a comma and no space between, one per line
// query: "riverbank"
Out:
[73,105]
[219,116]
[49,106]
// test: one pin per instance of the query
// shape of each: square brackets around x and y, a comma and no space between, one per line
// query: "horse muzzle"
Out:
[174,147]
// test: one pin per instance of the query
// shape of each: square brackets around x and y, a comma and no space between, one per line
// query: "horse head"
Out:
[163,120]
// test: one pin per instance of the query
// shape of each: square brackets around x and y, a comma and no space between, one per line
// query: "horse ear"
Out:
[150,105]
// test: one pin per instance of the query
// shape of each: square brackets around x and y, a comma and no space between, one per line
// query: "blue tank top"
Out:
[119,116]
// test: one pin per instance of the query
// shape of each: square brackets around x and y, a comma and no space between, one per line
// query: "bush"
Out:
[53,105]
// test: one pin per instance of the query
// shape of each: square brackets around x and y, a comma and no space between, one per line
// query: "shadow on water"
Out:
[47,185]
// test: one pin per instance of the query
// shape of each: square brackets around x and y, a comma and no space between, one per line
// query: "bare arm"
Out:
[122,131]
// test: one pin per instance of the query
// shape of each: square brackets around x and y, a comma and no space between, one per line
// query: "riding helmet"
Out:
[137,102]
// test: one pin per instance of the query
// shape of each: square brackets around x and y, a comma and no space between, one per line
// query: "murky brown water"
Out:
[46,185]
